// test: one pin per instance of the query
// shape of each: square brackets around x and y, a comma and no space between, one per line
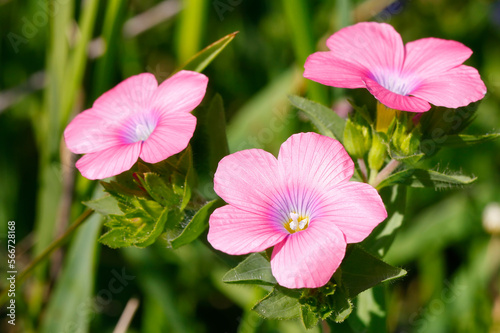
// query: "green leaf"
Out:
[341,306]
[281,303]
[159,191]
[203,58]
[381,238]
[105,206]
[255,269]
[309,317]
[197,225]
[325,119]
[426,178]
[465,140]
[75,284]
[136,228]
[361,270]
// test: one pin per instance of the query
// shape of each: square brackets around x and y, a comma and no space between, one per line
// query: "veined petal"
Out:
[355,208]
[249,180]
[308,259]
[325,68]
[455,88]
[109,162]
[396,101]
[372,45]
[171,135]
[87,133]
[431,56]
[315,160]
[181,92]
[98,128]
[236,232]
[129,97]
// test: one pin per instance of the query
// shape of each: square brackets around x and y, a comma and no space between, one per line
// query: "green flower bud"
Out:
[357,137]
[377,153]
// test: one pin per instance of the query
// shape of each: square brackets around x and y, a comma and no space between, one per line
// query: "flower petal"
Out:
[455,88]
[315,160]
[87,133]
[430,56]
[127,98]
[109,162]
[171,135]
[371,45]
[249,180]
[308,259]
[396,101]
[355,208]
[181,92]
[236,232]
[325,68]
[97,128]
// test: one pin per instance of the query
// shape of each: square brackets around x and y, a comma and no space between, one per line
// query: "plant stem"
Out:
[385,172]
[45,254]
[363,169]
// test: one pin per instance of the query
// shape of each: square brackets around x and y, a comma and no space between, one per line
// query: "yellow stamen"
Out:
[385,116]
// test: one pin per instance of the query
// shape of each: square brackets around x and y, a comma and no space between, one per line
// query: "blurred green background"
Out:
[57,57]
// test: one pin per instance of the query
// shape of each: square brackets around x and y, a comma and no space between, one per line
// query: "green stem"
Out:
[385,172]
[46,253]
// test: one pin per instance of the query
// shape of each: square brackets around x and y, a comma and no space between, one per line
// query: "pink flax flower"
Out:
[402,77]
[136,119]
[302,203]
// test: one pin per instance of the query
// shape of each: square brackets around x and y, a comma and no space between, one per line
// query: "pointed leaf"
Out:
[197,225]
[341,306]
[325,119]
[309,317]
[381,238]
[361,271]
[255,269]
[426,178]
[105,206]
[281,303]
[465,140]
[160,191]
[203,58]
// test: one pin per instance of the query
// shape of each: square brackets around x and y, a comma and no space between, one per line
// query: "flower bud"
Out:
[377,153]
[491,218]
[357,137]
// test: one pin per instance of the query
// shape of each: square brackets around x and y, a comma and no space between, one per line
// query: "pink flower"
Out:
[137,118]
[402,77]
[302,203]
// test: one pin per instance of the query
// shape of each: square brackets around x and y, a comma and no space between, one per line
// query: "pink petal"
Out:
[396,101]
[430,56]
[97,128]
[369,44]
[109,162]
[315,160]
[182,92]
[129,97]
[355,208]
[249,180]
[236,232]
[171,135]
[86,134]
[308,259]
[325,68]
[455,88]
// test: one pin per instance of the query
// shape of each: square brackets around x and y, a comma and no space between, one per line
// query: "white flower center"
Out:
[139,127]
[395,82]
[296,223]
